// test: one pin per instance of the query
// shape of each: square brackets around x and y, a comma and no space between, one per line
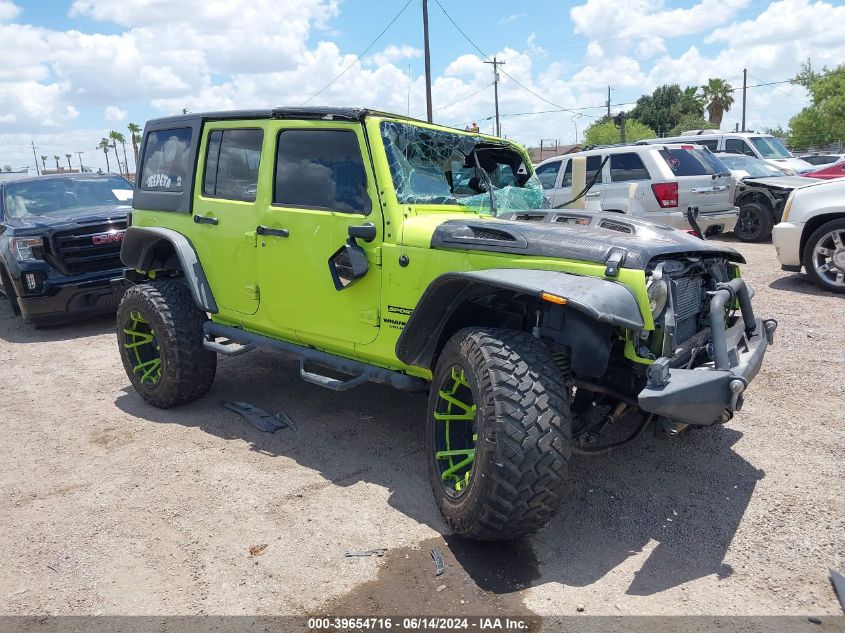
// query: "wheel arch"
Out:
[457,300]
[814,223]
[155,248]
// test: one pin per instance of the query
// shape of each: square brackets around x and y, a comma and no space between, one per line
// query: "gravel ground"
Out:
[110,506]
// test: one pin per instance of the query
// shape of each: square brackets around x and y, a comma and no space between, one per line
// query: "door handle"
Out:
[593,194]
[264,230]
[205,219]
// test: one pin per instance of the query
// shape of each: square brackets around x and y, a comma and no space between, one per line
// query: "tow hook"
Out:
[770,325]
[737,386]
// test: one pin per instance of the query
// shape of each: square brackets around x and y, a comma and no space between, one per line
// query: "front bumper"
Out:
[62,301]
[712,392]
[786,238]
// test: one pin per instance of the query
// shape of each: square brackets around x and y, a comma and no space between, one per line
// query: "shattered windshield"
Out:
[437,167]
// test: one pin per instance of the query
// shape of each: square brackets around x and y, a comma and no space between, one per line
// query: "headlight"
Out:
[788,171]
[788,206]
[27,249]
[658,293]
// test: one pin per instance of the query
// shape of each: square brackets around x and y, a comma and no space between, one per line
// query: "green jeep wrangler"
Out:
[374,247]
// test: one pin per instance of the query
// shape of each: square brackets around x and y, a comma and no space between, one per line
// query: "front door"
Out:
[322,184]
[226,212]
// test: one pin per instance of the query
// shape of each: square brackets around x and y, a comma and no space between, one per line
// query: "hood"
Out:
[580,236]
[801,166]
[782,182]
[83,215]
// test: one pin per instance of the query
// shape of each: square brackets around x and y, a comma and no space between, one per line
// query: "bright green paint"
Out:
[281,287]
[456,411]
[143,346]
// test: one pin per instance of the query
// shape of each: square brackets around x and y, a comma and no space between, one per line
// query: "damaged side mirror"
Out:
[348,264]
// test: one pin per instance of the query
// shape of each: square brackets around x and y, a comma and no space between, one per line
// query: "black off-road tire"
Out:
[519,477]
[9,291]
[809,254]
[762,222]
[187,369]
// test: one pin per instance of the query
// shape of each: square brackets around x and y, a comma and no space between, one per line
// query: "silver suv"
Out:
[655,182]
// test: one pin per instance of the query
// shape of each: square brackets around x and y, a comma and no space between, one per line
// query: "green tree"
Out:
[823,122]
[663,109]
[689,122]
[718,97]
[608,133]
[117,137]
[56,157]
[7,168]
[105,146]
[44,162]
[135,131]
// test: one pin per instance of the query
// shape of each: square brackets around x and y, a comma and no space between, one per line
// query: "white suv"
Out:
[812,234]
[763,146]
[669,179]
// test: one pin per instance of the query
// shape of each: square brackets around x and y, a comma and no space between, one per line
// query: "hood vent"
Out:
[616,226]
[486,233]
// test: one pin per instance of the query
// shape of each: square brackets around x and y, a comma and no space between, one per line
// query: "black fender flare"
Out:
[600,300]
[139,248]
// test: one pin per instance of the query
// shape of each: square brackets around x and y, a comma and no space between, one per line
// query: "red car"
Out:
[837,170]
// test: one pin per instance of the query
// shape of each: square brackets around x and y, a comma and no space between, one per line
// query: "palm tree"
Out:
[44,162]
[104,145]
[116,137]
[718,95]
[68,161]
[135,130]
[57,157]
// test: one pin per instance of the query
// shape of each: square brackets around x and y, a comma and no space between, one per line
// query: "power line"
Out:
[487,57]
[357,59]
[464,98]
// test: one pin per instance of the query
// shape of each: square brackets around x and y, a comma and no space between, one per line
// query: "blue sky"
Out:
[78,68]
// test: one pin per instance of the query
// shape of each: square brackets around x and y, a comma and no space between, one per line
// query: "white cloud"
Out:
[8,10]
[393,54]
[510,19]
[114,114]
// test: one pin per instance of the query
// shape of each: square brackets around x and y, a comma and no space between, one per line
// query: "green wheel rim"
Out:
[141,345]
[455,431]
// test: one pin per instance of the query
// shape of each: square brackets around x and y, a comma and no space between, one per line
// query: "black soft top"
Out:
[315,113]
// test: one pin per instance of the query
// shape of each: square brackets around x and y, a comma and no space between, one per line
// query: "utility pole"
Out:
[744,87]
[608,101]
[427,62]
[496,63]
[81,169]
[37,169]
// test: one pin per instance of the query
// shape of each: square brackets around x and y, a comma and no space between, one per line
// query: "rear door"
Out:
[564,192]
[625,169]
[226,211]
[703,181]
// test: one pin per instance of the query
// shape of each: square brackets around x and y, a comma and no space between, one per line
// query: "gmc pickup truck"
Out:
[60,240]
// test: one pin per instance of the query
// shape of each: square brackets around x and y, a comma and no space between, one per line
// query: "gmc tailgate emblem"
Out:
[107,238]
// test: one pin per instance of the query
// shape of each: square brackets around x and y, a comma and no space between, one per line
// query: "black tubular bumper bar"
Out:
[712,392]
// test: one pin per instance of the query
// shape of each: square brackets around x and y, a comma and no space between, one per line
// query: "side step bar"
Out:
[359,372]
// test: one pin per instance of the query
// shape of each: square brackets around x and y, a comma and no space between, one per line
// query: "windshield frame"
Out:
[10,190]
[428,153]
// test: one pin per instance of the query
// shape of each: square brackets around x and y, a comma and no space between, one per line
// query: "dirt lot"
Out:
[110,506]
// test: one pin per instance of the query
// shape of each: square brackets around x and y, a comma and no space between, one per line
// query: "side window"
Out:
[231,164]
[711,144]
[593,165]
[320,169]
[166,165]
[627,167]
[738,146]
[548,173]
